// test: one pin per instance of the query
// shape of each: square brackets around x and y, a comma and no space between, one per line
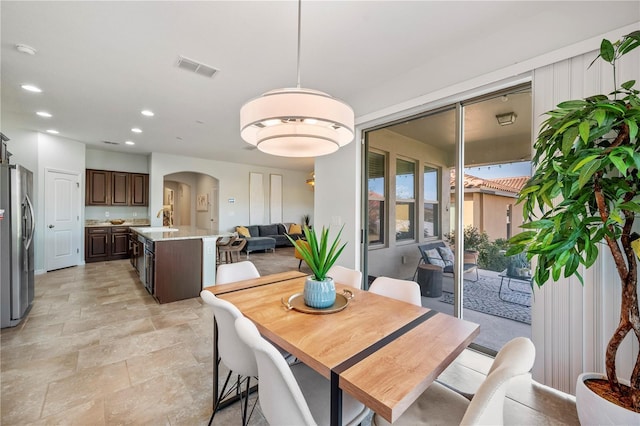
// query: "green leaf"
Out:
[587,172]
[630,206]
[530,189]
[628,84]
[584,131]
[607,52]
[575,104]
[599,116]
[633,129]
[611,107]
[585,160]
[522,237]
[620,164]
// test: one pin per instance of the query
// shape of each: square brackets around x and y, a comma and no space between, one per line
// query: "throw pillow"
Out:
[434,258]
[447,255]
[243,231]
[295,229]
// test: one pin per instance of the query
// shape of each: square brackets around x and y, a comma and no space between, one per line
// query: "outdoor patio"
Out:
[500,320]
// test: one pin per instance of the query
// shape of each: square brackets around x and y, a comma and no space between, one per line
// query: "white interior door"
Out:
[213,211]
[62,220]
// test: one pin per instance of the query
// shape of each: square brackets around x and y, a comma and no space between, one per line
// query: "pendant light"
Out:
[297,122]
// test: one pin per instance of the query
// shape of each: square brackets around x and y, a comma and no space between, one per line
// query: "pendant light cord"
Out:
[299,7]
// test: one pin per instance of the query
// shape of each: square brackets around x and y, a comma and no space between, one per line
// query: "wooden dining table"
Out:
[381,351]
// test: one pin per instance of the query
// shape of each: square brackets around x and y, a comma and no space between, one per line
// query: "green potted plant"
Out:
[586,190]
[319,255]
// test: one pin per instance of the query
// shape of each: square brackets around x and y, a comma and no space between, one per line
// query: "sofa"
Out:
[266,237]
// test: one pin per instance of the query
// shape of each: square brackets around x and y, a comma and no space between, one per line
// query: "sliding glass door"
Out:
[448,179]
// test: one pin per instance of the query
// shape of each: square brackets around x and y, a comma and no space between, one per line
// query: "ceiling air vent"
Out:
[197,67]
[111,143]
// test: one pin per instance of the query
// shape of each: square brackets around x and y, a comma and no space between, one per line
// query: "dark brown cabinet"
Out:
[96,244]
[119,243]
[119,189]
[111,188]
[139,189]
[177,269]
[106,243]
[98,188]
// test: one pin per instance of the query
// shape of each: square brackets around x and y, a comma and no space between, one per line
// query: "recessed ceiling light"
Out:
[31,88]
[129,143]
[53,132]
[136,130]
[23,48]
[147,113]
[44,114]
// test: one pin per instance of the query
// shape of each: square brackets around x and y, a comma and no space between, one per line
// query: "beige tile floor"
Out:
[97,349]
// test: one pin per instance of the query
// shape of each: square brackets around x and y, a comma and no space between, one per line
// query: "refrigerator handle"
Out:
[33,223]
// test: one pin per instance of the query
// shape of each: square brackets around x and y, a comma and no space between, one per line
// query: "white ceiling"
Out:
[100,63]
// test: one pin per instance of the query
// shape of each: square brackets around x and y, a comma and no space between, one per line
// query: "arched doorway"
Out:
[191,199]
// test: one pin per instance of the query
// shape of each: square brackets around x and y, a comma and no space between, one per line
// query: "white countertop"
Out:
[182,233]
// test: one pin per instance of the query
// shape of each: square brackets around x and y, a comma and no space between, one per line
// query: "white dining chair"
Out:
[232,272]
[233,353]
[293,394]
[346,276]
[407,291]
[440,405]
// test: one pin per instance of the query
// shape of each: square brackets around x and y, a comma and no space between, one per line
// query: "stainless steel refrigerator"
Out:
[17,225]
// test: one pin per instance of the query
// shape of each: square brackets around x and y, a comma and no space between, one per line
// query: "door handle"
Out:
[51,226]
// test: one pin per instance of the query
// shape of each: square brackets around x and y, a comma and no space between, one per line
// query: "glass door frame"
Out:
[459,166]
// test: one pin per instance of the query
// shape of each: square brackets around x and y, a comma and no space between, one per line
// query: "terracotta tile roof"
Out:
[508,184]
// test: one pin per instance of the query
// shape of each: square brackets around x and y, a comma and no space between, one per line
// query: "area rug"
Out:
[482,296]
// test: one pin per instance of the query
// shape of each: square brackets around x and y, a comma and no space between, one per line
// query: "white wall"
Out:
[116,161]
[23,145]
[337,199]
[233,179]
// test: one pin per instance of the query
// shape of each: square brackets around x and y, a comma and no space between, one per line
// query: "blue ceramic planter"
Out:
[319,294]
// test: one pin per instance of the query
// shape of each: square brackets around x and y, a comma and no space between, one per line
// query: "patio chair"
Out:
[440,255]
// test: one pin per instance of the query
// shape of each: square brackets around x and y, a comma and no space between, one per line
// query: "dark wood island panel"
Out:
[178,269]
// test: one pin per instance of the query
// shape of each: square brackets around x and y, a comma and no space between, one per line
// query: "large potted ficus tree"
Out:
[585,189]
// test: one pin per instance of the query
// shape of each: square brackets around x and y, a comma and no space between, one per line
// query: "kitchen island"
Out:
[175,263]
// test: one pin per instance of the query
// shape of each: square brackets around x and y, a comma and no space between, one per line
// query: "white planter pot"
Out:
[594,410]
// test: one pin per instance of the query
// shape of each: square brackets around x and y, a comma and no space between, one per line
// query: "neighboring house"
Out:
[490,204]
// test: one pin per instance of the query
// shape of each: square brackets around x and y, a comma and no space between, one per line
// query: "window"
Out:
[405,200]
[431,226]
[376,200]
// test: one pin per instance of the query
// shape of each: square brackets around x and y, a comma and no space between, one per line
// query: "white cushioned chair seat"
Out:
[438,405]
[316,388]
[293,395]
